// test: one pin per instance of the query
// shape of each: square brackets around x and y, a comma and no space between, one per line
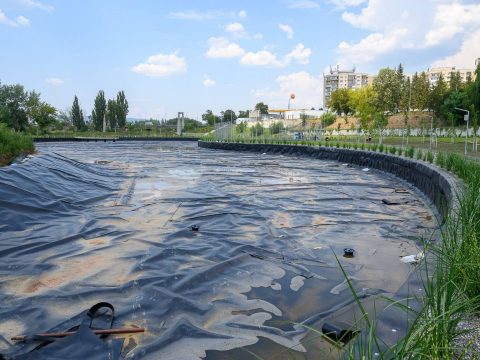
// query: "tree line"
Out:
[392,92]
[112,112]
[23,110]
[229,115]
[20,109]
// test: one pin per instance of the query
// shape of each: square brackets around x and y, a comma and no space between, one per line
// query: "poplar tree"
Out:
[121,109]
[112,114]
[98,112]
[77,115]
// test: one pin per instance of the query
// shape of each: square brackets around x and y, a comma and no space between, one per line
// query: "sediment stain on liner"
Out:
[86,222]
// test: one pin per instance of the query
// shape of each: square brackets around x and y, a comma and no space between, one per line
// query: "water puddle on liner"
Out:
[112,222]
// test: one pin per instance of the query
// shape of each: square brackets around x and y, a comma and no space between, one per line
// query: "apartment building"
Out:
[342,79]
[434,73]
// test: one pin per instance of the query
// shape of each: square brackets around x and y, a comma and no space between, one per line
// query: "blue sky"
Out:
[190,56]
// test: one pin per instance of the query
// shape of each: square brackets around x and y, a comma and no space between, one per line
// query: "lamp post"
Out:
[466,117]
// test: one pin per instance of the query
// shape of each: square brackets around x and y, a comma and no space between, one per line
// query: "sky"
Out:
[190,56]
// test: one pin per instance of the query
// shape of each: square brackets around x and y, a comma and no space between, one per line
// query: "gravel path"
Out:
[470,340]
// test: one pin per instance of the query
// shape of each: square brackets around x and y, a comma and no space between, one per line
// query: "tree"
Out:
[262,108]
[400,84]
[380,122]
[112,114]
[256,130]
[474,122]
[328,119]
[13,107]
[243,114]
[229,115]
[420,91]
[276,127]
[405,95]
[387,87]
[364,102]
[40,112]
[455,81]
[77,115]
[454,99]
[340,101]
[475,91]
[241,128]
[121,109]
[437,96]
[98,112]
[210,118]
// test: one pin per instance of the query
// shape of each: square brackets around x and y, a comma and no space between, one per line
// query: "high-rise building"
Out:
[342,79]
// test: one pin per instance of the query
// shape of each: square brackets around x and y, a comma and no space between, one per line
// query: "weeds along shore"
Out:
[14,144]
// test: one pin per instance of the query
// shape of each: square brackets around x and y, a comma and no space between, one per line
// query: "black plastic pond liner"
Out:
[82,222]
[84,344]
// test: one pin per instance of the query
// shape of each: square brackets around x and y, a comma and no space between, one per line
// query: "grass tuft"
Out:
[13,144]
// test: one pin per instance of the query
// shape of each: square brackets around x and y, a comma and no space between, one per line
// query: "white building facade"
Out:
[342,79]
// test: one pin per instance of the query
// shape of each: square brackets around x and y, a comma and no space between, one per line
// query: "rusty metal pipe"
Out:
[97,332]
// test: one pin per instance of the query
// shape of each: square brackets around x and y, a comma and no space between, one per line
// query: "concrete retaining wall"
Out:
[436,184]
[120,138]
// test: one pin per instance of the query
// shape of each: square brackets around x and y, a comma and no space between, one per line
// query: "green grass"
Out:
[13,145]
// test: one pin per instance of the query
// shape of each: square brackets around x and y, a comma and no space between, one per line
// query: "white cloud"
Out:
[207,81]
[236,29]
[465,57]
[287,30]
[300,54]
[452,19]
[342,4]
[261,58]
[221,47]
[307,88]
[55,81]
[242,14]
[38,5]
[407,24]
[370,47]
[303,4]
[162,65]
[22,21]
[18,21]
[194,15]
[258,36]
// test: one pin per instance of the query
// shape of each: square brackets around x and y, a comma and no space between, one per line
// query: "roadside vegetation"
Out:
[13,145]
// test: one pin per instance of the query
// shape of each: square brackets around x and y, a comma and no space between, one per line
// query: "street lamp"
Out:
[466,117]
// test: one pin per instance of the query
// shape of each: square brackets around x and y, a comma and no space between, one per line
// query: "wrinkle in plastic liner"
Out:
[87,222]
